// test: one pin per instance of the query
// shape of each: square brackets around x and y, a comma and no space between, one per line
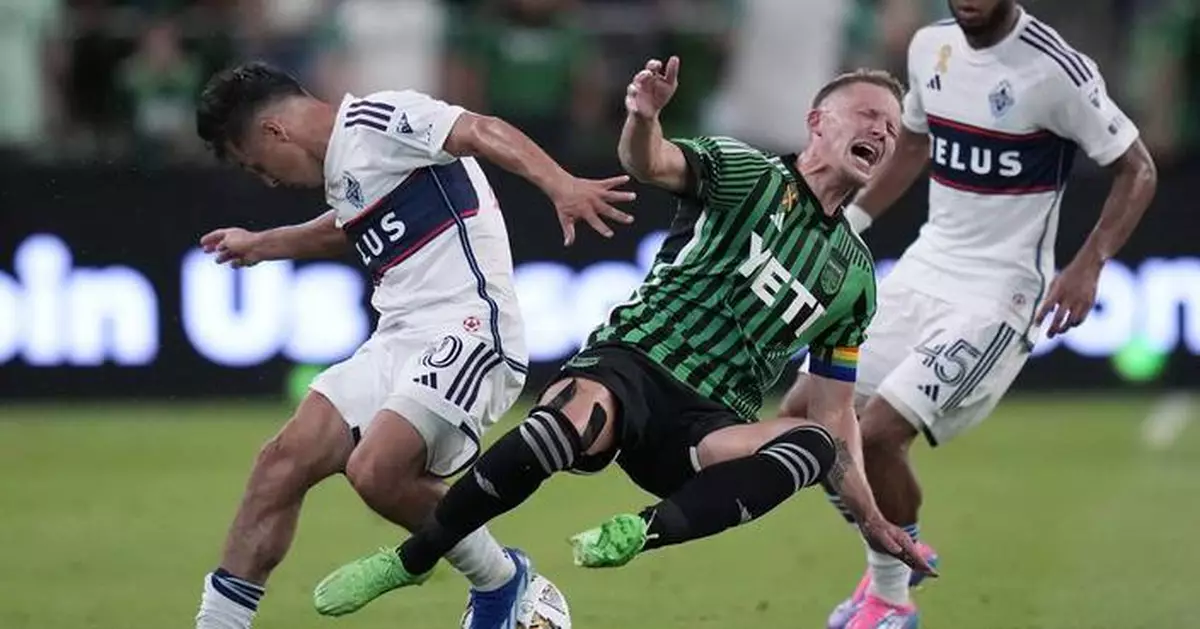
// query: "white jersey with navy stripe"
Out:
[425,224]
[1004,125]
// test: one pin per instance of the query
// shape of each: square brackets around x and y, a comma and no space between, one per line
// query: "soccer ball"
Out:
[544,607]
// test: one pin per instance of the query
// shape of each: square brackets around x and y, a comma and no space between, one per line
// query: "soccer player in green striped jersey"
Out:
[760,262]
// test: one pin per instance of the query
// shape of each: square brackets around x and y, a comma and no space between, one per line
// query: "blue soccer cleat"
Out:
[499,608]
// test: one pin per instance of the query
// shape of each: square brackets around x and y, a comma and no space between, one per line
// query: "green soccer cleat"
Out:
[349,588]
[613,543]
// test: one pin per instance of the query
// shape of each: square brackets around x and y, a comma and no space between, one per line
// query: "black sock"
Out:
[735,492]
[836,500]
[504,477]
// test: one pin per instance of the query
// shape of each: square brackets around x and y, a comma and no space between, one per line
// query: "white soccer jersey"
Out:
[1004,125]
[424,223]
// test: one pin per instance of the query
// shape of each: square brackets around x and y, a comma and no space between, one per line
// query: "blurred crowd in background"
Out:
[115,80]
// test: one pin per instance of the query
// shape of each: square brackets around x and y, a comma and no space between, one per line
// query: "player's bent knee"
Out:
[807,452]
[884,429]
[390,456]
[555,439]
[376,479]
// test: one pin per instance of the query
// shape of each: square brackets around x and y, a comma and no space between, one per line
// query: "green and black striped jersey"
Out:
[752,271]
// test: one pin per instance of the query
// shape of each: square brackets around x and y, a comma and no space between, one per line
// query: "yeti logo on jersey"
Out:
[354,193]
[773,282]
[986,161]
[1001,99]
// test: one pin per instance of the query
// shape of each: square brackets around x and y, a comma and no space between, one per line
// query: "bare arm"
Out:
[643,151]
[831,404]
[1073,292]
[507,147]
[650,158]
[897,175]
[318,238]
[1132,190]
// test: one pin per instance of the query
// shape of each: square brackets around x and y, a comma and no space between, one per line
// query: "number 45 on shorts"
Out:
[963,359]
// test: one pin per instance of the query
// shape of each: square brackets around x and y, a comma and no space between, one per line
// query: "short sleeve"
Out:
[1082,111]
[421,125]
[406,130]
[913,116]
[721,170]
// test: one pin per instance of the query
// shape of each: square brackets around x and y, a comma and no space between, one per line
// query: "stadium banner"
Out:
[105,292]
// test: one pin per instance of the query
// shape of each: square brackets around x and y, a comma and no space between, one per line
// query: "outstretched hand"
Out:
[652,88]
[234,245]
[590,201]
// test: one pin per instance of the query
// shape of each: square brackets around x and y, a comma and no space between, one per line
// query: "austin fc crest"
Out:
[354,192]
[1001,99]
[832,277]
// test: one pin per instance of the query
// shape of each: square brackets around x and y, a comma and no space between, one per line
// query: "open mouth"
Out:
[865,154]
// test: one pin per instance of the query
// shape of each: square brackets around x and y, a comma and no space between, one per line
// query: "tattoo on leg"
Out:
[595,424]
[563,397]
[842,461]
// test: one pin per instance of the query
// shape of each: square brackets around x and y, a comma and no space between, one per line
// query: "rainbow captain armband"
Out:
[836,363]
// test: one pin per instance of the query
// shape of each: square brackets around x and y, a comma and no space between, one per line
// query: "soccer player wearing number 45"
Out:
[447,358]
[997,106]
[759,262]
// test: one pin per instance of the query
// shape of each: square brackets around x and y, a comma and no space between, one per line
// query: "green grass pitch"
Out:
[1053,515]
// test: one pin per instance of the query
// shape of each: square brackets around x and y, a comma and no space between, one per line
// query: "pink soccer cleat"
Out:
[876,613]
[841,615]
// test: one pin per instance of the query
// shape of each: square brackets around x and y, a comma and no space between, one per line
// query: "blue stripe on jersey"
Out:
[1067,59]
[984,161]
[1054,40]
[360,104]
[446,180]
[398,225]
[363,122]
[371,113]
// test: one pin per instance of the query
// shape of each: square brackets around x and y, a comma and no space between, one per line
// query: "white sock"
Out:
[228,602]
[482,561]
[889,577]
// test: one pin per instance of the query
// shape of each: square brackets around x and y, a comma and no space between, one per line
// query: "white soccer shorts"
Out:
[449,384]
[943,366]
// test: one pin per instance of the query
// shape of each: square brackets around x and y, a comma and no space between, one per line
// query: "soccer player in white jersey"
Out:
[448,356]
[998,105]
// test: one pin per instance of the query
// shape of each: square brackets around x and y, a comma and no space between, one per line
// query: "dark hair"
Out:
[882,78]
[234,96]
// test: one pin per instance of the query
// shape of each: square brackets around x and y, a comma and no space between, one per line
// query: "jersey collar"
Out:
[789,161]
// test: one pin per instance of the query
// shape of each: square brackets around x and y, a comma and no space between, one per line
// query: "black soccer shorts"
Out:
[660,421]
